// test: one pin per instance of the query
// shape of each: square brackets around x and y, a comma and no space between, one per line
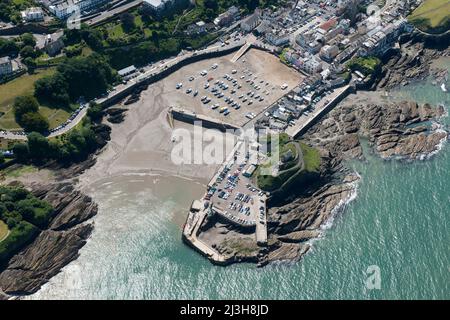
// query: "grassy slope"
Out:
[3,230]
[22,86]
[311,159]
[431,14]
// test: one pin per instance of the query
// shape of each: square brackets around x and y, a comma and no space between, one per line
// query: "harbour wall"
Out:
[166,72]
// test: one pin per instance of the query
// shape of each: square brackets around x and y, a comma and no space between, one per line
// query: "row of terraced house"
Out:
[63,9]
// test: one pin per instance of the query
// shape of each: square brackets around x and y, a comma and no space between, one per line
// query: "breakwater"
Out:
[207,122]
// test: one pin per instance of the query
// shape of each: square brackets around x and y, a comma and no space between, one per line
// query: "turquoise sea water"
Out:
[399,222]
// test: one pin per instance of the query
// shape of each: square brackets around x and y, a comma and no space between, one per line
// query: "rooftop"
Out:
[4,60]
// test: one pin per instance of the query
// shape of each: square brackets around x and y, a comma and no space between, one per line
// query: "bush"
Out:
[28,40]
[35,211]
[21,234]
[21,152]
[73,51]
[79,77]
[29,52]
[365,65]
[25,104]
[22,212]
[34,121]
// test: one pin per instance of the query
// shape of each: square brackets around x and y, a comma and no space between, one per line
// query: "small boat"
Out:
[443,87]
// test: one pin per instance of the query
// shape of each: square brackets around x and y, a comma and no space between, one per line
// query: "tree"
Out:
[34,121]
[86,76]
[155,37]
[127,20]
[53,90]
[28,40]
[2,158]
[211,4]
[30,63]
[95,112]
[5,10]
[28,52]
[38,146]
[25,104]
[21,152]
[8,47]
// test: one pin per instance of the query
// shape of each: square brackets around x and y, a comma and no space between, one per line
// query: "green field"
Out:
[432,16]
[24,85]
[3,230]
[16,172]
[294,171]
[20,86]
[311,158]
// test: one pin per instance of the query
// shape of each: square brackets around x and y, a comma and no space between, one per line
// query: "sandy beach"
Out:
[143,142]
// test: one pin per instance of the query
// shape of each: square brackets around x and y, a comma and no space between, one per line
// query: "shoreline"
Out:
[110,155]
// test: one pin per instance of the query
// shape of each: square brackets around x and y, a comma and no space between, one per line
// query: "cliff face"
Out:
[55,246]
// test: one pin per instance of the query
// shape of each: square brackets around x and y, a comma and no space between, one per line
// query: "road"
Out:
[109,14]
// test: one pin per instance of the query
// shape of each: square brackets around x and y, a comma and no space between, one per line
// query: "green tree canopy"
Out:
[34,121]
[25,104]
[38,145]
[28,39]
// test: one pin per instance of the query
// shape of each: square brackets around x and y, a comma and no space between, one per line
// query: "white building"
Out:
[329,52]
[158,7]
[32,14]
[228,17]
[311,65]
[63,9]
[5,66]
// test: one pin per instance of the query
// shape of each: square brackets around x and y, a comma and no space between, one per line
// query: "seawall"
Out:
[166,72]
[192,118]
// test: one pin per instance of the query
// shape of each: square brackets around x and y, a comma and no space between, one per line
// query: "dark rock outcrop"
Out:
[56,245]
[44,258]
[394,130]
[410,63]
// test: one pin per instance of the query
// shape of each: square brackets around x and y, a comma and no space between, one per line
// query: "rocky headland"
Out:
[403,130]
[55,246]
[411,62]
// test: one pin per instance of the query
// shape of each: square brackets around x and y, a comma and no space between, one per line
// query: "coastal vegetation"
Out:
[3,230]
[432,16]
[369,66]
[69,148]
[23,214]
[86,77]
[24,86]
[298,161]
[26,112]
[87,68]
